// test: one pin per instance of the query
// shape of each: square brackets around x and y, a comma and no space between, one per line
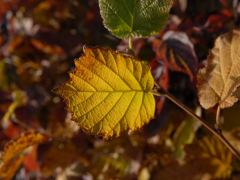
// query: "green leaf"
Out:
[128,18]
[109,93]
[185,134]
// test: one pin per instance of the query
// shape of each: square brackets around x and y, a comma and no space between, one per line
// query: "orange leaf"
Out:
[47,48]
[14,148]
[8,170]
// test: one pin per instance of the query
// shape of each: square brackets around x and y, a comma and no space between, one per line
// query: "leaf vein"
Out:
[127,109]
[123,80]
[115,104]
[84,100]
[110,8]
[97,75]
[94,107]
[84,81]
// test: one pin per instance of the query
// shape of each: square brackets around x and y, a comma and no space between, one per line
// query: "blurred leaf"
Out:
[218,81]
[19,99]
[9,169]
[144,174]
[109,165]
[128,18]
[13,149]
[207,158]
[109,93]
[185,134]
[47,48]
[219,156]
[177,52]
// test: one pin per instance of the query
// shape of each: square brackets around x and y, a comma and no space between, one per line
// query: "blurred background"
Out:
[39,40]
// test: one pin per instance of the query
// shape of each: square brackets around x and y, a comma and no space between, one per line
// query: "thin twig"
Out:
[214,131]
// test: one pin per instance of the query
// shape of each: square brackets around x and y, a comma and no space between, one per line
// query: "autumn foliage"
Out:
[77,102]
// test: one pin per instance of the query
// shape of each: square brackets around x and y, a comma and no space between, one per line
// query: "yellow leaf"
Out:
[109,93]
[19,99]
[14,148]
[218,81]
[218,155]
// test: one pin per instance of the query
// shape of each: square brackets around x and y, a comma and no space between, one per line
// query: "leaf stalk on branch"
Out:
[215,131]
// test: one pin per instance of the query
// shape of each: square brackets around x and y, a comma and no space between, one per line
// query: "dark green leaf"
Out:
[125,18]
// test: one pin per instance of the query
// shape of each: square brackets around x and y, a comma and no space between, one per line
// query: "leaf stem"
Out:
[216,132]
[130,42]
[218,123]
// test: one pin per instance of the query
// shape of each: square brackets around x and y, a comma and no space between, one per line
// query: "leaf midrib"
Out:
[118,91]
[133,14]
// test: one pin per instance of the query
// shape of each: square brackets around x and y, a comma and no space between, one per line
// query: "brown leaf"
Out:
[218,81]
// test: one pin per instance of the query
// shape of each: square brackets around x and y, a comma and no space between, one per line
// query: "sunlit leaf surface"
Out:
[109,93]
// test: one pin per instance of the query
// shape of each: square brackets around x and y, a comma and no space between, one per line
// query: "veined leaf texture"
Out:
[219,80]
[125,18]
[109,93]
